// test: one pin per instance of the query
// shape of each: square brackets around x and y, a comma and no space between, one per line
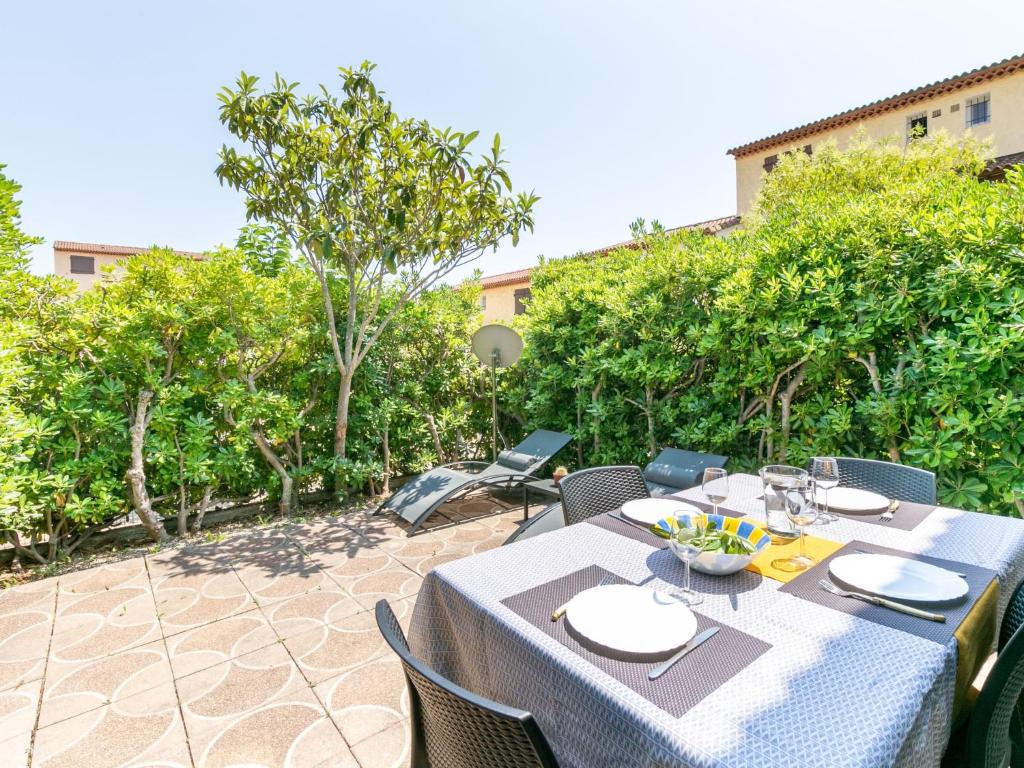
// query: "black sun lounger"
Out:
[419,497]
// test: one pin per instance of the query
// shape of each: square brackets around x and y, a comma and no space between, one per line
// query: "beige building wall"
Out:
[62,267]
[499,302]
[1005,128]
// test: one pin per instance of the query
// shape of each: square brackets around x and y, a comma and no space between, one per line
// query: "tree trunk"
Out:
[432,426]
[182,493]
[204,504]
[786,407]
[386,450]
[341,431]
[136,474]
[287,484]
[871,365]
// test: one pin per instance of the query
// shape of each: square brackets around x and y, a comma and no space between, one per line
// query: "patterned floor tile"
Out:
[141,730]
[314,610]
[34,596]
[257,710]
[392,584]
[98,623]
[280,575]
[205,558]
[190,599]
[74,687]
[366,700]
[104,578]
[387,749]
[25,630]
[218,641]
[330,650]
[17,719]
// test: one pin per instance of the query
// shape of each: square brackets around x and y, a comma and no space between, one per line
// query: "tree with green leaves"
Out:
[390,205]
[871,305]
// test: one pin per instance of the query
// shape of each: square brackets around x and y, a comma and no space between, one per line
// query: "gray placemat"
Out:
[907,517]
[609,523]
[806,586]
[679,689]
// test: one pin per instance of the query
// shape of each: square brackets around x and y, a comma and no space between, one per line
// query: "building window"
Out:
[520,295]
[770,162]
[483,302]
[83,265]
[977,110]
[917,126]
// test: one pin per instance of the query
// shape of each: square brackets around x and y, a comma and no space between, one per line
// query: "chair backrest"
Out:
[534,451]
[1013,617]
[549,519]
[676,469]
[590,492]
[894,481]
[455,728]
[995,734]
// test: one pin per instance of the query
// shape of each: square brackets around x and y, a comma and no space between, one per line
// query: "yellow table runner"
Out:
[816,547]
[975,636]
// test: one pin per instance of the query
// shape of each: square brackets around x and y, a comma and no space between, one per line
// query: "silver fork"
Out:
[876,600]
[888,514]
[559,612]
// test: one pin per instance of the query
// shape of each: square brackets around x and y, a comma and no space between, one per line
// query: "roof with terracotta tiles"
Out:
[506,278]
[956,82]
[110,250]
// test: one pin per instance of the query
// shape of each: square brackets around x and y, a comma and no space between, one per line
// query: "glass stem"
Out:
[802,534]
[686,577]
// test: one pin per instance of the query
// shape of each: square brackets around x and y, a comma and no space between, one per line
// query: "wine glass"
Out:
[802,510]
[687,552]
[715,486]
[825,471]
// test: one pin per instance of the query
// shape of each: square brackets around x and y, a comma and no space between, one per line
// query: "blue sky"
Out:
[609,111]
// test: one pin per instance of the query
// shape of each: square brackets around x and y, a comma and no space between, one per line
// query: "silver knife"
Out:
[665,666]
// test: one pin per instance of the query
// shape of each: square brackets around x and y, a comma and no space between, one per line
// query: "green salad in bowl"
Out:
[726,544]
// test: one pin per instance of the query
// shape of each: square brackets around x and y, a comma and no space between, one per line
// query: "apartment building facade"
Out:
[83,262]
[988,102]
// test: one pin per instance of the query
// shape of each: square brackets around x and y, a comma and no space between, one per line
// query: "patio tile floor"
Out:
[261,649]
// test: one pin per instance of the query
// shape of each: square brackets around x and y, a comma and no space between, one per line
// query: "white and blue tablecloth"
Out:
[834,690]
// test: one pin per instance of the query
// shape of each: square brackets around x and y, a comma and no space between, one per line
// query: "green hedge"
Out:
[871,305]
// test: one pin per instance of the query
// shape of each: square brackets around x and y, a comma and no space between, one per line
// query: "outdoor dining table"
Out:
[815,686]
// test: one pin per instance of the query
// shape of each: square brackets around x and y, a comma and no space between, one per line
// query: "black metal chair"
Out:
[894,481]
[550,519]
[454,728]
[675,470]
[993,737]
[591,492]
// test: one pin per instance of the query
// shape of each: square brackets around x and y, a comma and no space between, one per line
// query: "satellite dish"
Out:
[497,346]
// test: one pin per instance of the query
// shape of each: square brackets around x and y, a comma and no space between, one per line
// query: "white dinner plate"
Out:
[650,511]
[852,500]
[631,619]
[898,578]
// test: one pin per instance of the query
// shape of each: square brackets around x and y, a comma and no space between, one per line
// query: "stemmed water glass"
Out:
[825,471]
[802,510]
[687,552]
[715,486]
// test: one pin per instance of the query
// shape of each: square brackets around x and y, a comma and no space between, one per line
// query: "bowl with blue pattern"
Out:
[728,544]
